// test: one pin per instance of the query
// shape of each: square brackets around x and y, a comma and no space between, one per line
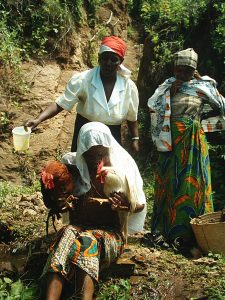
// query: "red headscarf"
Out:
[116,44]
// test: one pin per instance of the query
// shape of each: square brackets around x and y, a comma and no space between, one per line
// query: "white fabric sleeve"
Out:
[71,94]
[134,101]
[161,89]
[69,158]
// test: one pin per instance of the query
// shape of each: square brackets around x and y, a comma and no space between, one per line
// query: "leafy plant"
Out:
[4,121]
[75,7]
[92,6]
[17,290]
[40,27]
[171,25]
[10,59]
[119,290]
[218,34]
[10,189]
[167,22]
[130,32]
[36,28]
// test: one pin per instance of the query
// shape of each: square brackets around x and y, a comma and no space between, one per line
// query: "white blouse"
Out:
[86,90]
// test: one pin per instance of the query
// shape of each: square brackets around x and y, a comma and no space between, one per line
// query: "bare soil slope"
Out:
[47,79]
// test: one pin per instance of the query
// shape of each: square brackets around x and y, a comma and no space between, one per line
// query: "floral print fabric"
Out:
[89,249]
[183,181]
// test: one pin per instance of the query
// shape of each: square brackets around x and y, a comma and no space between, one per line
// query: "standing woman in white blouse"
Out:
[105,94]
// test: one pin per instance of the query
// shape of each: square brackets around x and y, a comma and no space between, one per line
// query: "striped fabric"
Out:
[186,57]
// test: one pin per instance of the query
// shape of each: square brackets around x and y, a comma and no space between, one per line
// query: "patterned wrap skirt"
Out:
[89,249]
[183,181]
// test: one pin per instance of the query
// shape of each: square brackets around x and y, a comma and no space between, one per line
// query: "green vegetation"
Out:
[171,25]
[10,59]
[4,121]
[118,290]
[17,290]
[216,291]
[170,18]
[167,22]
[11,213]
[205,276]
[217,161]
[92,6]
[36,29]
[9,190]
[33,23]
[203,279]
[218,35]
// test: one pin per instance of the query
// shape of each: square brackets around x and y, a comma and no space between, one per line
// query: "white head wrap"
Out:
[91,134]
[96,133]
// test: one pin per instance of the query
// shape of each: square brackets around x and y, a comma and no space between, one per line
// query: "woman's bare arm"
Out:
[52,110]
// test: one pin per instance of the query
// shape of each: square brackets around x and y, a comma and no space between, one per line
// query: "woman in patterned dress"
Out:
[94,239]
[183,179]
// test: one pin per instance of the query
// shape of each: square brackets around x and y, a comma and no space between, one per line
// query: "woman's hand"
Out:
[119,201]
[68,203]
[31,123]
[175,87]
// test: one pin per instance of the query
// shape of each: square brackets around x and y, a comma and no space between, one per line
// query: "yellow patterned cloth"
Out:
[89,249]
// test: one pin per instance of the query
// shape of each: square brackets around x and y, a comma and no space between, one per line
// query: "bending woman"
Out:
[94,239]
[183,179]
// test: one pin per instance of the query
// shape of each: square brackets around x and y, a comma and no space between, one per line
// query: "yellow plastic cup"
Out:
[21,138]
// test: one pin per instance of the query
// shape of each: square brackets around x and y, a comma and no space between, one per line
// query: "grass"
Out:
[8,190]
[118,290]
